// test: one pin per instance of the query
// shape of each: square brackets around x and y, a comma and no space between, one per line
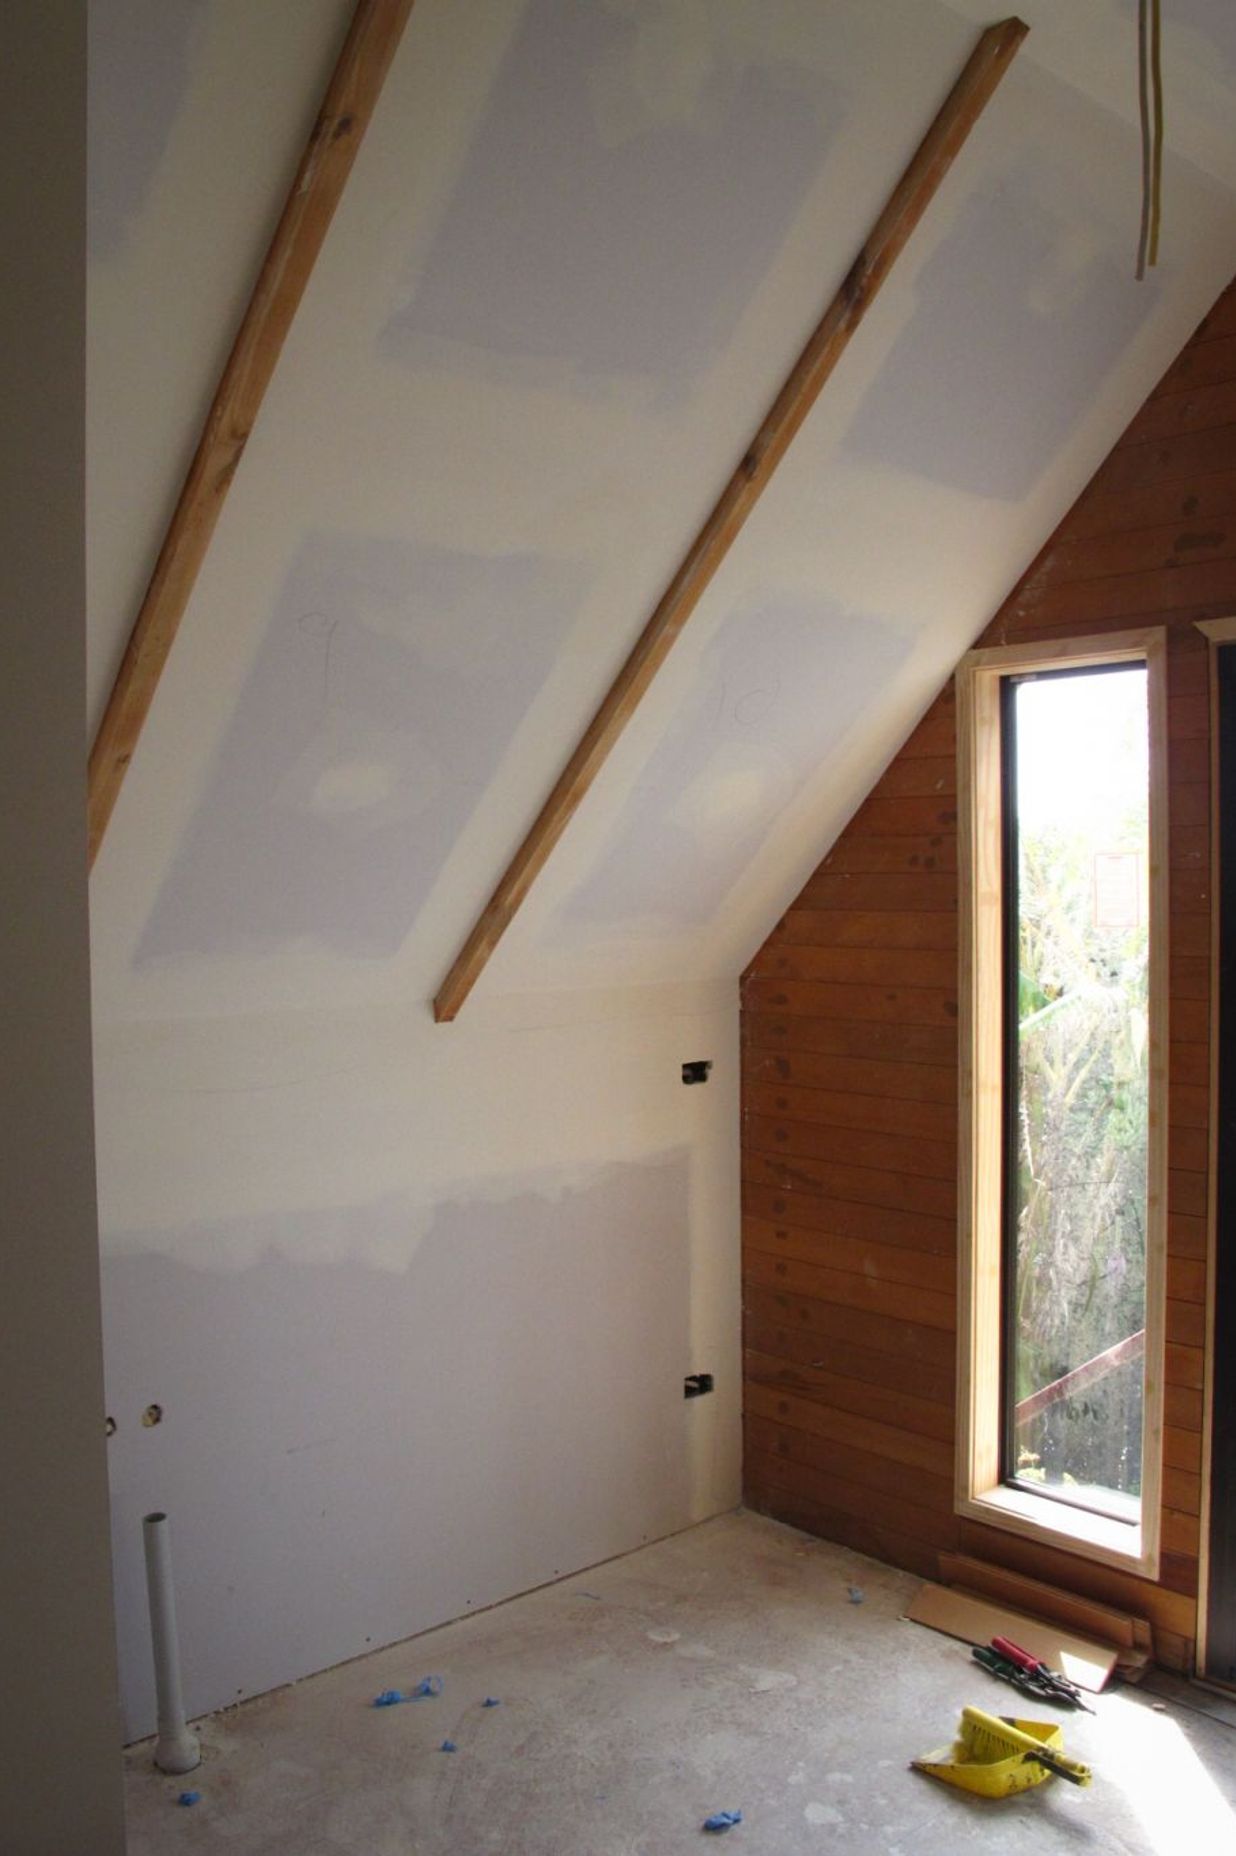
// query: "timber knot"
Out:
[857,284]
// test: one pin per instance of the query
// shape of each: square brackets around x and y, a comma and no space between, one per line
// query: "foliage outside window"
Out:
[1063,920]
[1076,816]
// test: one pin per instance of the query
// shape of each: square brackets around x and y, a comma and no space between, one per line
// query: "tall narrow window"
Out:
[1064,1042]
[1077,823]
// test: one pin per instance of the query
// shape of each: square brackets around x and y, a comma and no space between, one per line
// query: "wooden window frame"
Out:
[980,1493]
[1217,632]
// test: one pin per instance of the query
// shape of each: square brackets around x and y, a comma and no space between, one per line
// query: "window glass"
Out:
[1076,811]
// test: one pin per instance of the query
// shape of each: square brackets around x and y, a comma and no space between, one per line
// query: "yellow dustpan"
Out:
[996,1757]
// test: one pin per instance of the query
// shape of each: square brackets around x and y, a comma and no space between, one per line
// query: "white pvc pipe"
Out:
[176,1748]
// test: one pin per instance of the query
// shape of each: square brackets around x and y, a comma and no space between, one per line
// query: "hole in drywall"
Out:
[152,1415]
[697,1071]
[696,1384]
[109,1426]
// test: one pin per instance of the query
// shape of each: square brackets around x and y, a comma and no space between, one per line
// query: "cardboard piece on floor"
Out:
[976,1620]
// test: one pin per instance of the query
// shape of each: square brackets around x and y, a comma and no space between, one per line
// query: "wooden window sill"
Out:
[1073,1530]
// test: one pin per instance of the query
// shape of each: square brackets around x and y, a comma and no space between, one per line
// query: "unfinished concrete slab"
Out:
[738,1666]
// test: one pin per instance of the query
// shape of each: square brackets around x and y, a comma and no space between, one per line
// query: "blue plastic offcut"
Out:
[390,1697]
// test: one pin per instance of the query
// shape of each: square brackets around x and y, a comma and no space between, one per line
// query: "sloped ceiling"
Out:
[581,245]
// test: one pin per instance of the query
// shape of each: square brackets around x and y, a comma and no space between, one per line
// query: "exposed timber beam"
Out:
[354,88]
[906,205]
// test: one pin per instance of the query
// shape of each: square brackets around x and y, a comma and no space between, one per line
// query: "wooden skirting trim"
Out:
[1167,1606]
[1085,1615]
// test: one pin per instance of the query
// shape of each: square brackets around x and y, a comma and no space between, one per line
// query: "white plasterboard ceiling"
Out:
[581,245]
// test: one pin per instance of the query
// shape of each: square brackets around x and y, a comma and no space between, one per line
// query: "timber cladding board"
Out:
[1117,519]
[915,967]
[898,1301]
[904,1410]
[876,1224]
[926,1159]
[875,1262]
[866,1185]
[849,1060]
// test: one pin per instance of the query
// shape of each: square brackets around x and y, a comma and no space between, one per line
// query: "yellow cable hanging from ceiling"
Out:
[1156,159]
[1150,105]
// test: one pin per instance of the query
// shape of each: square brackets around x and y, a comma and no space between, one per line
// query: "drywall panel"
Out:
[198,111]
[628,184]
[416,1308]
[579,250]
[1197,29]
[1020,314]
[1094,48]
[373,1451]
[1010,335]
[386,689]
[60,1771]
[778,679]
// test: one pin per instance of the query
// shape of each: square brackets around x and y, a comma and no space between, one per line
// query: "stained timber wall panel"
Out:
[850,1059]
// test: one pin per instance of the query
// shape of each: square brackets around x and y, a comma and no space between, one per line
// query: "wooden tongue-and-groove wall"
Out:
[850,1060]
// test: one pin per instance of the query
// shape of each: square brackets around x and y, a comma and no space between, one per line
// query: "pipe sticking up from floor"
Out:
[176,1746]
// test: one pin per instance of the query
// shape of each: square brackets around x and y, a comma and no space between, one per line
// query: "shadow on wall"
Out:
[352,1454]
[625,194]
[138,72]
[1020,315]
[778,690]
[386,691]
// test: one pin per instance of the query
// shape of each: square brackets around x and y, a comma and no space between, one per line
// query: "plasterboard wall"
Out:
[579,250]
[416,1303]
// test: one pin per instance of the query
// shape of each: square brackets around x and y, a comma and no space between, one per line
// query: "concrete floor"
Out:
[725,1669]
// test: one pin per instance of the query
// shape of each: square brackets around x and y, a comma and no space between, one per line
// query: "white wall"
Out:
[417,1303]
[59,1753]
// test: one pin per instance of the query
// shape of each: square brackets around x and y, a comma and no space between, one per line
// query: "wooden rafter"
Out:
[909,200]
[354,88]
